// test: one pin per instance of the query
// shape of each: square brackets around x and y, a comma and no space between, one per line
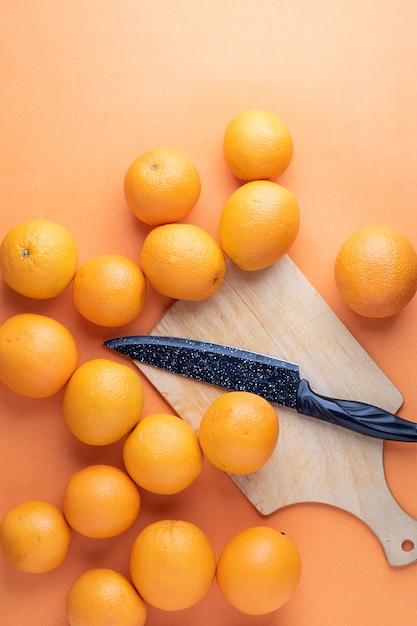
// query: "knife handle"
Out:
[357,416]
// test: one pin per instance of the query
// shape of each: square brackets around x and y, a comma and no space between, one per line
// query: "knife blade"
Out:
[276,380]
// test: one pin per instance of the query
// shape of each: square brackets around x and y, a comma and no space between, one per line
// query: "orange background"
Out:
[88,86]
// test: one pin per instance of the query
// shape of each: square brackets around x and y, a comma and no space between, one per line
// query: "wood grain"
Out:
[278,312]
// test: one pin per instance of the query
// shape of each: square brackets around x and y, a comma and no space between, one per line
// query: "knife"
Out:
[276,380]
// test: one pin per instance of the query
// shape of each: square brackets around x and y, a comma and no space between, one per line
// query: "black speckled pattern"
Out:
[232,368]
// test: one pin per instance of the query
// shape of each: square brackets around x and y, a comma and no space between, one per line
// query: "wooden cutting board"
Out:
[277,312]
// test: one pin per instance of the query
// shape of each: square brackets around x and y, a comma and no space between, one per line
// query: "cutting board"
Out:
[278,312]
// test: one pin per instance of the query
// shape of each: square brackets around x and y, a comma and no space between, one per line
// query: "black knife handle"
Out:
[358,416]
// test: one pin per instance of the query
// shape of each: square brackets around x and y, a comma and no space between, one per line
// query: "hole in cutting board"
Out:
[407,545]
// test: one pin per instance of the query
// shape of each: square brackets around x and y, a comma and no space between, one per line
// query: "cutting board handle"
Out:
[394,527]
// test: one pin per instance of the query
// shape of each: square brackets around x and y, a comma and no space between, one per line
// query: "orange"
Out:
[101,501]
[258,224]
[172,564]
[376,271]
[37,355]
[162,186]
[183,261]
[103,401]
[162,454]
[38,258]
[258,570]
[104,597]
[35,537]
[257,145]
[239,432]
[109,290]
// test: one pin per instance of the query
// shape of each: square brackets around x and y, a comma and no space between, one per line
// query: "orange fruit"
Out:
[172,564]
[258,224]
[376,271]
[109,290]
[258,570]
[162,454]
[183,261]
[257,145]
[239,432]
[101,501]
[35,537]
[104,597]
[162,186]
[38,258]
[103,401]
[37,355]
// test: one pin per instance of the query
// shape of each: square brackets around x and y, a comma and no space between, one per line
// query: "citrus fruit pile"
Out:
[102,401]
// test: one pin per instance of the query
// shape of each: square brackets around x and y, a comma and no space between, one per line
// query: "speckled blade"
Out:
[224,366]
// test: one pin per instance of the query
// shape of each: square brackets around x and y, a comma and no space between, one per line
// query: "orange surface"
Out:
[86,88]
